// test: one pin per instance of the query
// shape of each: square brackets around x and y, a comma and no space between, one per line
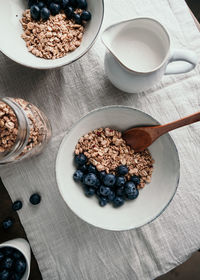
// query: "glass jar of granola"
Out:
[24,130]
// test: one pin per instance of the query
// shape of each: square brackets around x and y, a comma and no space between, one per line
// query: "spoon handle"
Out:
[179,123]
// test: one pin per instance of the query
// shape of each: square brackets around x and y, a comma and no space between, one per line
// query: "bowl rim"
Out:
[62,64]
[66,135]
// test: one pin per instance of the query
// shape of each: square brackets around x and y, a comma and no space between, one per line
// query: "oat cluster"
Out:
[106,149]
[53,38]
[8,127]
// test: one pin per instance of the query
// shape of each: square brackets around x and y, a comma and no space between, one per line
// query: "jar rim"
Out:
[22,134]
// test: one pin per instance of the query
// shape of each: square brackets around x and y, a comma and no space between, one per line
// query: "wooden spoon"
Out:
[139,138]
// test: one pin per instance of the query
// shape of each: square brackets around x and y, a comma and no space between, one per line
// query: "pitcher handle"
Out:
[189,57]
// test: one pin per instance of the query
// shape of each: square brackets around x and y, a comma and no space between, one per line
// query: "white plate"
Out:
[152,200]
[13,46]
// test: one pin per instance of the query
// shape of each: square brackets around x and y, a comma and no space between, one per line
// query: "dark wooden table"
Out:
[16,231]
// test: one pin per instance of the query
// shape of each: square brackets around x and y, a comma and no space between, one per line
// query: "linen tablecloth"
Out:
[65,246]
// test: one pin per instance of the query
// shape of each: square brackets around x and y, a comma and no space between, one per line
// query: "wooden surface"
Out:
[16,231]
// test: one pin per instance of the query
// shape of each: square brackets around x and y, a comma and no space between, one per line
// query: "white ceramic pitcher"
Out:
[139,55]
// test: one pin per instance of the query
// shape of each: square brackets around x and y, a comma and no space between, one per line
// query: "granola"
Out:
[106,149]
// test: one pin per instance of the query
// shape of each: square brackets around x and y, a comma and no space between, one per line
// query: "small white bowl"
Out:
[23,246]
[152,200]
[13,46]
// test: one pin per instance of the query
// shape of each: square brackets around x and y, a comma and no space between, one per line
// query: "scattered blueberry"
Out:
[105,191]
[122,170]
[80,159]
[89,191]
[7,263]
[120,181]
[35,12]
[109,180]
[111,196]
[81,4]
[92,169]
[4,275]
[45,13]
[76,18]
[136,180]
[64,4]
[78,176]
[120,191]
[20,266]
[118,201]
[7,223]
[90,179]
[35,199]
[41,5]
[134,195]
[17,205]
[102,174]
[129,187]
[102,201]
[86,15]
[69,12]
[83,168]
[17,254]
[54,8]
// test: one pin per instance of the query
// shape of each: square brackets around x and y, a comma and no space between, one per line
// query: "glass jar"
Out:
[24,130]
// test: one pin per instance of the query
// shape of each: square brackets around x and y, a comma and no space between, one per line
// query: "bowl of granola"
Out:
[108,184]
[45,34]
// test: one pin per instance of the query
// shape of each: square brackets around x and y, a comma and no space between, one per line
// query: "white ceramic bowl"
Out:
[13,46]
[23,246]
[152,200]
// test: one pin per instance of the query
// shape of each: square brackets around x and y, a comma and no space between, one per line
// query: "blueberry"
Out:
[69,12]
[109,180]
[102,174]
[45,13]
[35,199]
[120,191]
[54,8]
[31,3]
[89,191]
[118,201]
[90,179]
[4,275]
[76,18]
[7,223]
[102,201]
[105,191]
[98,183]
[35,12]
[129,187]
[20,266]
[73,3]
[41,5]
[17,254]
[17,205]
[80,159]
[64,4]
[15,276]
[122,170]
[81,4]
[92,169]
[8,251]
[7,263]
[120,181]
[78,176]
[1,256]
[111,196]
[86,16]
[84,168]
[134,195]
[136,180]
